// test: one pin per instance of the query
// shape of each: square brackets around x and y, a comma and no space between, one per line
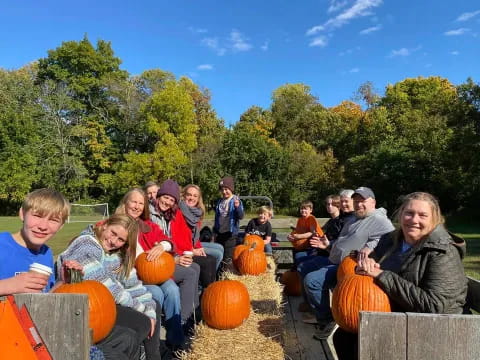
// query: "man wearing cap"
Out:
[362,233]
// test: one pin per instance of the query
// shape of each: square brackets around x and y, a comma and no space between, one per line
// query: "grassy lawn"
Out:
[469,230]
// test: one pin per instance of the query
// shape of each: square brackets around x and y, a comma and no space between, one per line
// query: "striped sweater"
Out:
[99,266]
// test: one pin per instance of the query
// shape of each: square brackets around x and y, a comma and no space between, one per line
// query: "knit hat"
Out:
[227,182]
[169,187]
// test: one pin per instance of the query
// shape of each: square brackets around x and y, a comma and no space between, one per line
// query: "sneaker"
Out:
[310,319]
[304,307]
[324,330]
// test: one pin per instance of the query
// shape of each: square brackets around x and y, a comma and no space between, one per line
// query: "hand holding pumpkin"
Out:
[368,267]
[155,252]
[363,253]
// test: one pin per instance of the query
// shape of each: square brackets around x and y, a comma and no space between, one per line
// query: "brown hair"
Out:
[265,210]
[121,206]
[127,252]
[46,202]
[335,200]
[306,204]
[200,203]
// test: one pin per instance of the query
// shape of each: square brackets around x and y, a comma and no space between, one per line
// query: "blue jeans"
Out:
[168,296]
[268,248]
[215,250]
[317,285]
[300,256]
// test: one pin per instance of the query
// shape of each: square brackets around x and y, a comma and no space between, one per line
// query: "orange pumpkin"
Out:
[101,304]
[252,262]
[354,294]
[225,304]
[346,268]
[291,280]
[254,239]
[237,252]
[157,271]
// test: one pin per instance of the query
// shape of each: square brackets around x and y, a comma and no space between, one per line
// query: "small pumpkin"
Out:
[254,239]
[157,271]
[225,304]
[354,294]
[252,262]
[237,252]
[101,304]
[292,282]
[346,268]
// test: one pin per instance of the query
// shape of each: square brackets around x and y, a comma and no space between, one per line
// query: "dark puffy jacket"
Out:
[431,279]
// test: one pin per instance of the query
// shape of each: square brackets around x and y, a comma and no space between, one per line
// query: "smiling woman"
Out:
[418,266]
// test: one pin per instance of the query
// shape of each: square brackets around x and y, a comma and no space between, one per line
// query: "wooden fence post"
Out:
[62,321]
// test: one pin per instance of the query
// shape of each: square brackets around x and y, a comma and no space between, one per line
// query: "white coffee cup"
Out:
[188,253]
[41,269]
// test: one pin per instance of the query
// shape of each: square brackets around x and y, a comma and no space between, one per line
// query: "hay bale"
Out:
[260,337]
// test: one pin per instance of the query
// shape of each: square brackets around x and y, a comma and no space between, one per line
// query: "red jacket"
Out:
[148,240]
[181,234]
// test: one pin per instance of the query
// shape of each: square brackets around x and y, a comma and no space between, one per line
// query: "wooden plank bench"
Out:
[62,321]
[418,336]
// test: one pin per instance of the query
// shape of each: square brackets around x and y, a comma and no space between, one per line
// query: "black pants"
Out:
[346,345]
[120,344]
[186,277]
[208,269]
[228,241]
[141,325]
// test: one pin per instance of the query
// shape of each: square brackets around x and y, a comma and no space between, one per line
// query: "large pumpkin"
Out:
[292,282]
[354,294]
[237,252]
[254,239]
[252,262]
[101,305]
[346,268]
[225,304]
[157,271]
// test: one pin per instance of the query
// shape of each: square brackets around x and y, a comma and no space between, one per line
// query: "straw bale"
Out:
[259,337]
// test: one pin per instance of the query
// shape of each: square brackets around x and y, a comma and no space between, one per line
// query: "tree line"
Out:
[76,122]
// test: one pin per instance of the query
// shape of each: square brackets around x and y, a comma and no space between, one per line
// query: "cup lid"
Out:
[188,253]
[41,267]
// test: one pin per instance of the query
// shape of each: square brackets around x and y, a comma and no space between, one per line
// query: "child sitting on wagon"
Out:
[261,226]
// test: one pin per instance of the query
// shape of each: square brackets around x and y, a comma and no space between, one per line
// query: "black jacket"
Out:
[431,278]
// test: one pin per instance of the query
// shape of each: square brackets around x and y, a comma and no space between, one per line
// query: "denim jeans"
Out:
[317,285]
[302,255]
[215,250]
[168,296]
[268,248]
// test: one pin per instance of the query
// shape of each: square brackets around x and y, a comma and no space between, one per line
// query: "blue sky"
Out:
[243,50]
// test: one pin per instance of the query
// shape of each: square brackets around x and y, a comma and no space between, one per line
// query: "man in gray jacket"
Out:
[361,233]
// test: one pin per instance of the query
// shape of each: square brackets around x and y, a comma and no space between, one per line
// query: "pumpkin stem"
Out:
[254,245]
[74,276]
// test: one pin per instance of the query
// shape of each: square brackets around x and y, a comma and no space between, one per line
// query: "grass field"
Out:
[466,228]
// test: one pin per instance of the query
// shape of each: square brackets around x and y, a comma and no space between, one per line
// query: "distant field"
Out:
[469,230]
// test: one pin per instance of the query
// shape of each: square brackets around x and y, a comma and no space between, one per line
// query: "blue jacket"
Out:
[235,215]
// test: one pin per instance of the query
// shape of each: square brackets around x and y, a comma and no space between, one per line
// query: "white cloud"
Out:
[205,67]
[264,47]
[336,5]
[370,30]
[455,52]
[321,41]
[456,32]
[314,30]
[360,8]
[238,41]
[468,15]
[197,30]
[403,52]
[354,70]
[213,44]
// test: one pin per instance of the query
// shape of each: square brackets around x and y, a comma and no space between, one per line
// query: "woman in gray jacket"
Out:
[419,266]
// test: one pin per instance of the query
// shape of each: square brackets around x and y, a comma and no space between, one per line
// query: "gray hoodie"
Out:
[360,232]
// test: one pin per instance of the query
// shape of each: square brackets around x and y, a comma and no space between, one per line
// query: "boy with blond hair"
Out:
[261,226]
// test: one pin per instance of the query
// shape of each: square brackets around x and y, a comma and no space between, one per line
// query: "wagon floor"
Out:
[299,341]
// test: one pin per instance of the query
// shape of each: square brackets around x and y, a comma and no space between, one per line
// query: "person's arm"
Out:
[268,233]
[441,287]
[139,292]
[23,283]
[238,206]
[381,227]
